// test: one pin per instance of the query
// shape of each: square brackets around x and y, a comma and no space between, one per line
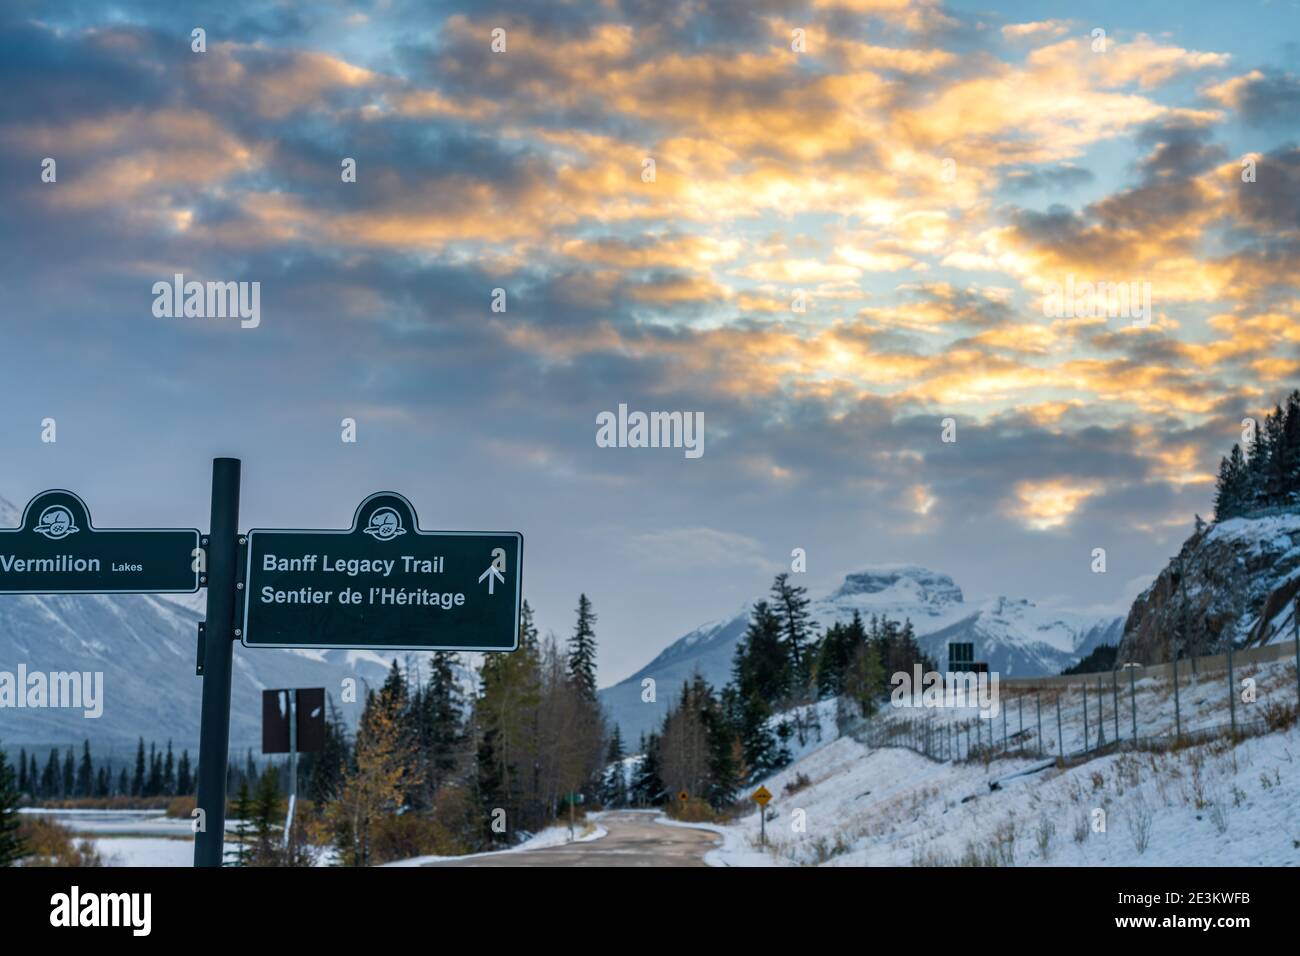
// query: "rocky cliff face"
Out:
[1235,581]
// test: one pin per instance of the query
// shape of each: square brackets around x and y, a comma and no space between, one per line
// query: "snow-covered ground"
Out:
[1202,703]
[119,822]
[843,803]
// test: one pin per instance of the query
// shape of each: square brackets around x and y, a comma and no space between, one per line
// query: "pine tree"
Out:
[724,773]
[649,789]
[243,827]
[184,775]
[266,816]
[11,848]
[69,785]
[137,782]
[614,789]
[1291,443]
[762,663]
[33,777]
[154,785]
[169,772]
[790,603]
[489,787]
[327,769]
[758,743]
[123,786]
[582,650]
[22,770]
[50,776]
[85,771]
[442,726]
[527,629]
[1277,467]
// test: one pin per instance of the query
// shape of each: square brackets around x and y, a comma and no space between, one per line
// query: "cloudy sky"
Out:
[922,173]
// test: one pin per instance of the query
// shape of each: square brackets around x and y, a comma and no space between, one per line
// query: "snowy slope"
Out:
[1016,637]
[1204,805]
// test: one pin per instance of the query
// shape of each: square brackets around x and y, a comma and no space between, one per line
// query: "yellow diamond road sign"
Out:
[761,796]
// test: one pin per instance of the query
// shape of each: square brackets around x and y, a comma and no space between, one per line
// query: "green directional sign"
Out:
[56,550]
[383,584]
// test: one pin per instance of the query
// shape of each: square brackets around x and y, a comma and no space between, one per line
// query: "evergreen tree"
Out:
[85,771]
[790,603]
[184,775]
[138,781]
[762,663]
[649,789]
[22,770]
[69,785]
[582,650]
[528,639]
[1291,440]
[327,769]
[614,789]
[11,848]
[50,776]
[489,787]
[33,778]
[1277,467]
[442,729]
[169,772]
[103,780]
[724,771]
[757,742]
[266,817]
[123,786]
[835,655]
[154,785]
[243,827]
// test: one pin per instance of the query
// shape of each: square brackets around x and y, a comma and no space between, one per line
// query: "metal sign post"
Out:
[293,766]
[762,796]
[218,653]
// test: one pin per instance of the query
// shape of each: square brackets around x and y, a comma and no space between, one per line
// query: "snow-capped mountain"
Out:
[146,646]
[1015,637]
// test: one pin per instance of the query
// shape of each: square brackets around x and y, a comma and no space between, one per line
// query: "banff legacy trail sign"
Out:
[56,550]
[383,584]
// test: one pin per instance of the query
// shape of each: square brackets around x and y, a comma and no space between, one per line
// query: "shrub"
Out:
[799,782]
[48,843]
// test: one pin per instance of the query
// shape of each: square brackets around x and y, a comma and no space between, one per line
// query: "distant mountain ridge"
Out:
[1015,637]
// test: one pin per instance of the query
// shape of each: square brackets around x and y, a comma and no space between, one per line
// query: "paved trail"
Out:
[634,839]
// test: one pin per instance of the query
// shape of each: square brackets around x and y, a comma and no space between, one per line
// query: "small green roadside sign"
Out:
[383,584]
[56,550]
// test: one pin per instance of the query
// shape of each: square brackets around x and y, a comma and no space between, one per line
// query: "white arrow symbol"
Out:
[492,575]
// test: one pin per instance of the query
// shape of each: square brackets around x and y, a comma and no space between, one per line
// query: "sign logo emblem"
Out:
[385,525]
[55,523]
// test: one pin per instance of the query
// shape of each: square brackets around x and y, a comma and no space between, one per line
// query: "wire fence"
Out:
[1082,716]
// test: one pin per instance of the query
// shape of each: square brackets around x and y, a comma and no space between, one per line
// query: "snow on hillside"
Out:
[1204,804]
[1015,636]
